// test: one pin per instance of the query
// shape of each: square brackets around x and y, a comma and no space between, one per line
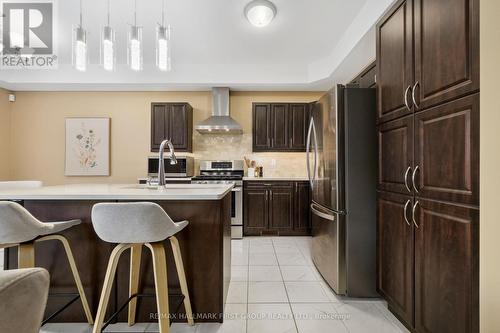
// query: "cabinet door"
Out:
[261,127]
[395,145]
[279,127]
[281,207]
[446,50]
[394,62]
[302,221]
[447,151]
[159,121]
[395,253]
[256,210]
[446,268]
[178,118]
[299,122]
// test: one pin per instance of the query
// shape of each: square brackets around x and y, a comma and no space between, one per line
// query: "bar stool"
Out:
[18,228]
[133,225]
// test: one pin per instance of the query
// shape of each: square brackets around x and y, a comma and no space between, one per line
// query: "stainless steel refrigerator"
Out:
[342,169]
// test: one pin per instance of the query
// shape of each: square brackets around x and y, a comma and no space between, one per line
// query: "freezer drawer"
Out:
[328,248]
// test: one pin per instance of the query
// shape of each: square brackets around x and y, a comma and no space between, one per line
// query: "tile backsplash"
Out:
[235,147]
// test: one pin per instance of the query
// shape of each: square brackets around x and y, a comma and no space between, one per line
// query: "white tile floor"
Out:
[275,288]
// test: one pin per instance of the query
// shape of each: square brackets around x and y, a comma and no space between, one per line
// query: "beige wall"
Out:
[490,166]
[5,113]
[38,146]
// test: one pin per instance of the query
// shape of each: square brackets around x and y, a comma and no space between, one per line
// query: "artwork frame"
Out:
[87,146]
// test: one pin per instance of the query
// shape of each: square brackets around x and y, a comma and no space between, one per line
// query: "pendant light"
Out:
[135,60]
[108,52]
[80,58]
[163,59]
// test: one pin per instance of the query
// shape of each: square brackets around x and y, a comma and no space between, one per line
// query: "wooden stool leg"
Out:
[26,255]
[135,266]
[176,249]
[76,275]
[108,285]
[161,285]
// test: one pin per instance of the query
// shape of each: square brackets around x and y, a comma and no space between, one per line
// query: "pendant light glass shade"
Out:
[135,60]
[108,52]
[163,59]
[80,55]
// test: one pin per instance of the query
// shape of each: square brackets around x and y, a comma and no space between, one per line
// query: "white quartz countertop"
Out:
[263,179]
[120,192]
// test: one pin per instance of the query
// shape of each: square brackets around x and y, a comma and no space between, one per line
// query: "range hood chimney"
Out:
[220,122]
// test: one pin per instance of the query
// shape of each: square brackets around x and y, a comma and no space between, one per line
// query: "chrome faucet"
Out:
[161,167]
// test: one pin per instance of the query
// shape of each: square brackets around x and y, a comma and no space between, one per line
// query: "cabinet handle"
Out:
[406,98]
[406,178]
[406,207]
[413,214]
[413,179]
[413,94]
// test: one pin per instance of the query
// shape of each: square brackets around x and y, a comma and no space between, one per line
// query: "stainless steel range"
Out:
[226,172]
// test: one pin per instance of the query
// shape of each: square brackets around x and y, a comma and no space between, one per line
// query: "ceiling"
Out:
[213,44]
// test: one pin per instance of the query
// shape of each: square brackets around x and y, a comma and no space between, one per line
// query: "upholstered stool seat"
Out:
[132,226]
[18,228]
[135,222]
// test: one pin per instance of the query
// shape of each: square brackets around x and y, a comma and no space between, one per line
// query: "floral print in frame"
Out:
[87,146]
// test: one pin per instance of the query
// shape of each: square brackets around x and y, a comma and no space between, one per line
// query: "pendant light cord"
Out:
[135,12]
[81,16]
[163,13]
[109,10]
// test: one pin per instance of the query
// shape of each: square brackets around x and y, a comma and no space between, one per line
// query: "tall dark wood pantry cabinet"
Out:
[428,183]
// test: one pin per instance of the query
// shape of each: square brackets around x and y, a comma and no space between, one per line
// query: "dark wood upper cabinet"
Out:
[395,154]
[172,121]
[447,151]
[446,50]
[446,268]
[280,127]
[394,62]
[299,116]
[395,253]
[261,119]
[367,78]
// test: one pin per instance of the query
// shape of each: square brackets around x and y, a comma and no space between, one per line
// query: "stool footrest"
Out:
[76,296]
[124,305]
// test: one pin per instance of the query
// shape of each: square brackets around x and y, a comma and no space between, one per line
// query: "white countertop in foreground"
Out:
[120,192]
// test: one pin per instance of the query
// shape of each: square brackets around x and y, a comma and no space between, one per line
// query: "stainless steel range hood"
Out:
[220,122]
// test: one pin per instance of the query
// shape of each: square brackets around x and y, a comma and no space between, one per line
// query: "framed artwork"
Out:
[87,146]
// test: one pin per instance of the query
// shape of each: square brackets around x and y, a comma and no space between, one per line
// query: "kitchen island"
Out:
[205,245]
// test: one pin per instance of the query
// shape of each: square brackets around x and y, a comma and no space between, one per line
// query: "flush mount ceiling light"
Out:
[260,12]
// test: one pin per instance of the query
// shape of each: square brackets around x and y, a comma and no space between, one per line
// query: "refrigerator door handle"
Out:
[308,150]
[321,214]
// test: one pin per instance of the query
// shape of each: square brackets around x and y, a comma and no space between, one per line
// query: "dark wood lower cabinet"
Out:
[206,252]
[446,268]
[395,254]
[428,263]
[276,208]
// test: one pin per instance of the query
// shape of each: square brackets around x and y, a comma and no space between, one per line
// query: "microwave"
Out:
[183,168]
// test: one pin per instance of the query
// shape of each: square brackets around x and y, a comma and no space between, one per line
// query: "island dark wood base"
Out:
[206,251]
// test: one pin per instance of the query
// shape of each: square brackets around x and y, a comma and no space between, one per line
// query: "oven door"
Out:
[237,212]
